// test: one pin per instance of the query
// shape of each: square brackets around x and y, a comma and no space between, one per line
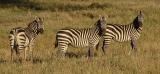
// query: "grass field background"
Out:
[59,14]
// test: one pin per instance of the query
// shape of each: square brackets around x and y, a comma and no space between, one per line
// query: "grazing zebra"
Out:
[121,33]
[22,39]
[88,37]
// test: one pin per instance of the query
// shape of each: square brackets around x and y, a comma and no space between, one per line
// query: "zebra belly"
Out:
[80,43]
[122,38]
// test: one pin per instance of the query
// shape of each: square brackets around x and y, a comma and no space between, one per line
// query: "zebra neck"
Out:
[98,31]
[30,33]
[139,29]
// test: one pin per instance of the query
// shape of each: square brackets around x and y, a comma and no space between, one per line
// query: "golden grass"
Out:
[116,61]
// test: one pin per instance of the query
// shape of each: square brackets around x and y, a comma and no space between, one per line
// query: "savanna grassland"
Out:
[59,14]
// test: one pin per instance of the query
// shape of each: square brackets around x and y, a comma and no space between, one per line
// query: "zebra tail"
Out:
[15,45]
[56,43]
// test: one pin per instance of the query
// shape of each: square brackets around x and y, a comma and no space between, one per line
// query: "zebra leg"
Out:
[103,48]
[30,53]
[18,53]
[12,54]
[25,53]
[133,45]
[31,50]
[97,46]
[62,51]
[22,55]
[106,43]
[91,52]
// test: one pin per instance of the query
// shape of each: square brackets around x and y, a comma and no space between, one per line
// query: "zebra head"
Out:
[37,26]
[101,25]
[138,21]
[40,26]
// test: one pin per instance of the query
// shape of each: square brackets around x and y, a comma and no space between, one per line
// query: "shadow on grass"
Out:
[54,6]
[73,55]
[2,61]
[77,55]
[37,60]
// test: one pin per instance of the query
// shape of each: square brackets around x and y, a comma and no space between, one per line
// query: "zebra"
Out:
[121,33]
[22,39]
[84,37]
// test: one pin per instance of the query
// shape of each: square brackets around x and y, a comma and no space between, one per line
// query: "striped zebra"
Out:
[86,37]
[121,33]
[22,39]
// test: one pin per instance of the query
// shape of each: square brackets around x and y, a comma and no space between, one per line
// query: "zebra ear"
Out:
[37,18]
[41,19]
[141,13]
[103,18]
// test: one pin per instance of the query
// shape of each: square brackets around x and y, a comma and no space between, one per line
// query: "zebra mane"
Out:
[31,23]
[32,27]
[98,27]
[137,23]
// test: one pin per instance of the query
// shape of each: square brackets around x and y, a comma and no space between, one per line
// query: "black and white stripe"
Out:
[22,39]
[123,33]
[88,37]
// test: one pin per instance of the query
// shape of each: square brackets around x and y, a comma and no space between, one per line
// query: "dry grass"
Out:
[82,13]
